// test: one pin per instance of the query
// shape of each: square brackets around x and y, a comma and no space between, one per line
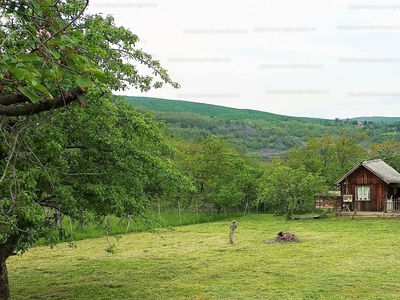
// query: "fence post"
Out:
[128,217]
[197,210]
[389,205]
[179,210]
[70,226]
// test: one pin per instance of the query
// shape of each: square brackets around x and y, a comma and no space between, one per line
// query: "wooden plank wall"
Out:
[362,176]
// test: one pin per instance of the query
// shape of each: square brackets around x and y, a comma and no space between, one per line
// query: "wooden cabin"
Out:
[368,186]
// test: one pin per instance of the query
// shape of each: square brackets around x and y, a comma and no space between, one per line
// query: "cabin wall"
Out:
[378,190]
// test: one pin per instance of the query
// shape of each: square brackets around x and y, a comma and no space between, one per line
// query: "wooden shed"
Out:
[368,186]
[327,201]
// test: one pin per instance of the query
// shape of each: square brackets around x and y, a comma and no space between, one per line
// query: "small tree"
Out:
[289,190]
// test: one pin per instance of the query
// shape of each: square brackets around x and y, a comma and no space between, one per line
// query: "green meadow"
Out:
[336,258]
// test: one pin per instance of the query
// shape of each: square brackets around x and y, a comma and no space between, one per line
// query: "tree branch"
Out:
[13,99]
[8,103]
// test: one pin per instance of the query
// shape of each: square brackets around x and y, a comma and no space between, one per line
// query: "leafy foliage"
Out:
[222,179]
[111,160]
[389,152]
[51,48]
[330,155]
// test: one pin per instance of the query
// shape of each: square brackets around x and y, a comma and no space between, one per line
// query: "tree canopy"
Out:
[52,53]
[288,190]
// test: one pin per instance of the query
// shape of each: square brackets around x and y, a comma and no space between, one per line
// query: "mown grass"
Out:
[337,258]
[116,226]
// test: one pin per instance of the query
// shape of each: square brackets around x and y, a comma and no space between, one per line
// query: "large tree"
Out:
[55,59]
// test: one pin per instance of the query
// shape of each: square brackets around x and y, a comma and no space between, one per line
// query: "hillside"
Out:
[255,131]
[222,112]
[386,120]
[166,105]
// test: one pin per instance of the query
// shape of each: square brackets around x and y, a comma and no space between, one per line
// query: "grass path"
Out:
[336,259]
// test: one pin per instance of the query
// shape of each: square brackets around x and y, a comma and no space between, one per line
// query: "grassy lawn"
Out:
[337,258]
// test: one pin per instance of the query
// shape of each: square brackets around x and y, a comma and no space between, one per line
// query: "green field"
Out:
[336,258]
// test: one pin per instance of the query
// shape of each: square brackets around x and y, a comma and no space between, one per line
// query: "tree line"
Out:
[225,179]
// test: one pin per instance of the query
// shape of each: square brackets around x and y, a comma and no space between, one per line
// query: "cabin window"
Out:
[363,193]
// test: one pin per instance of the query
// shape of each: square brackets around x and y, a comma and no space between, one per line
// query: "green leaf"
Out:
[56,54]
[40,87]
[29,57]
[19,74]
[29,69]
[73,65]
[78,58]
[28,93]
[51,87]
[83,81]
[75,62]
[99,74]
[33,4]
[45,6]
[67,38]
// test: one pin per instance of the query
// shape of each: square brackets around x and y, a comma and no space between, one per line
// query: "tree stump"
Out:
[232,227]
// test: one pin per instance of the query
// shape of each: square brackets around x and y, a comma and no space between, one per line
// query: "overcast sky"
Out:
[322,58]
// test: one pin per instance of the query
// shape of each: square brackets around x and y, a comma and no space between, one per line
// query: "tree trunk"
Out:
[288,215]
[4,287]
[6,250]
[246,207]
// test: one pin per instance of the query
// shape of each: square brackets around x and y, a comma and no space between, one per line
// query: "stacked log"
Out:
[286,237]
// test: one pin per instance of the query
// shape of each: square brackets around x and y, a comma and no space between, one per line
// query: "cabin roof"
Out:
[379,168]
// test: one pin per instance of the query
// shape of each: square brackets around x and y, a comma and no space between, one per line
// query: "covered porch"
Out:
[391,209]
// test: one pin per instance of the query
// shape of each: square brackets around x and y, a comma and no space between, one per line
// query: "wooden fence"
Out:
[392,205]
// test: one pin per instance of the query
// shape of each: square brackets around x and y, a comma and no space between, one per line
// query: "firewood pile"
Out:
[284,237]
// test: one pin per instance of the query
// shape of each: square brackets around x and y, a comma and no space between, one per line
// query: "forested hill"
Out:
[255,131]
[376,119]
[222,112]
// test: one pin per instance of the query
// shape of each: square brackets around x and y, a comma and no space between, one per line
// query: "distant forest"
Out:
[254,131]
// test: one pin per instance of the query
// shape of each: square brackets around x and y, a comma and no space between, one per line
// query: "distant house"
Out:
[368,186]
